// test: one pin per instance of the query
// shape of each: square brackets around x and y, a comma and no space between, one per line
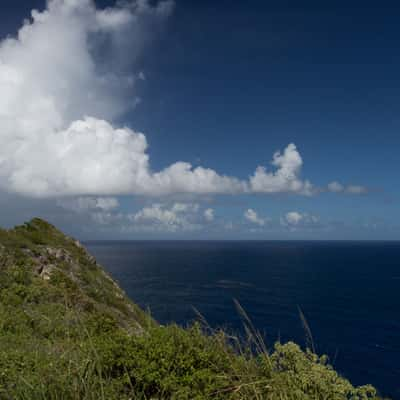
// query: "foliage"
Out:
[67,331]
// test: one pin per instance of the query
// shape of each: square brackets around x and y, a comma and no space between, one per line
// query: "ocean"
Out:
[349,293]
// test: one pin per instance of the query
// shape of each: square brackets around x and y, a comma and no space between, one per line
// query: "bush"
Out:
[76,336]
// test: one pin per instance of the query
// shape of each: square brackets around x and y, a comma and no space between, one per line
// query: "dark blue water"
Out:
[348,291]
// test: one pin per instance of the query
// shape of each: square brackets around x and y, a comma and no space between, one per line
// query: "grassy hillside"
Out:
[67,331]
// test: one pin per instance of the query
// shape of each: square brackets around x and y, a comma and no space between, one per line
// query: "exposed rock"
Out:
[59,254]
[45,271]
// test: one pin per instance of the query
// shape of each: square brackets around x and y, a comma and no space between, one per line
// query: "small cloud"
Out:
[84,204]
[354,189]
[209,214]
[159,217]
[253,217]
[285,179]
[336,187]
[294,220]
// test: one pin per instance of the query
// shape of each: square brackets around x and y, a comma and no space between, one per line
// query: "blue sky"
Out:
[224,85]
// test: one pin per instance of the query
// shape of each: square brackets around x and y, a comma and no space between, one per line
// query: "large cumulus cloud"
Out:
[56,95]
[64,81]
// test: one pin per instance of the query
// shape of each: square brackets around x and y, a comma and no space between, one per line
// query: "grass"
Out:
[76,336]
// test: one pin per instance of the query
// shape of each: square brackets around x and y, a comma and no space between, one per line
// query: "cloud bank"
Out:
[60,98]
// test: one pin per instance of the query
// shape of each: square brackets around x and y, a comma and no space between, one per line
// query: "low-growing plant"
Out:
[76,336]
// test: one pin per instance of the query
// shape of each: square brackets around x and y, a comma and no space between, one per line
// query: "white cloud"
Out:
[356,189]
[101,210]
[209,214]
[285,178]
[113,18]
[253,217]
[84,204]
[182,178]
[294,219]
[59,98]
[56,95]
[107,218]
[337,187]
[90,157]
[158,217]
[105,203]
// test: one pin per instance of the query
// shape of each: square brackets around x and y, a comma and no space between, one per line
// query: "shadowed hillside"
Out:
[67,331]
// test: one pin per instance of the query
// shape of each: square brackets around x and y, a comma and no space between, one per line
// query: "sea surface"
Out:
[349,293]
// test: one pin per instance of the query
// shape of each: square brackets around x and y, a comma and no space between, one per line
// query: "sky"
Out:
[183,119]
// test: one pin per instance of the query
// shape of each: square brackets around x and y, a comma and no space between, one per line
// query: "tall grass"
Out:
[78,337]
[170,362]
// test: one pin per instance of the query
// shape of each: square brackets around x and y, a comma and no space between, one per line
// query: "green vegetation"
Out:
[68,332]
